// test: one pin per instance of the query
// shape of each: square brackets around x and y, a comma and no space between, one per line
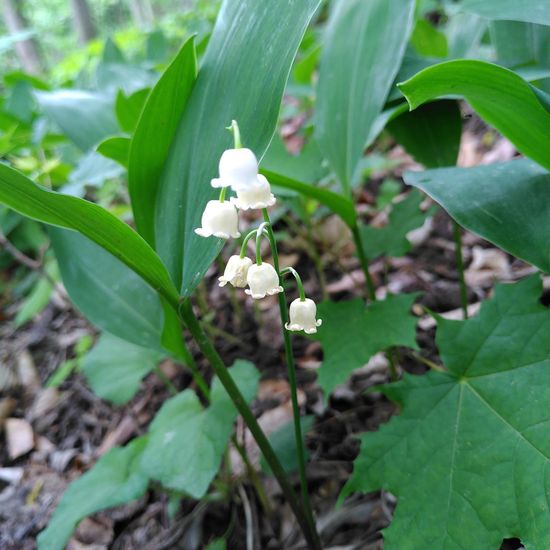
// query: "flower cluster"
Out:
[238,170]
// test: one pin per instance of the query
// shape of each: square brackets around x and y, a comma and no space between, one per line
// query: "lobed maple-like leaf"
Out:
[469,456]
[352,333]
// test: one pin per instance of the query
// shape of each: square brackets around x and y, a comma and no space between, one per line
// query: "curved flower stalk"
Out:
[238,172]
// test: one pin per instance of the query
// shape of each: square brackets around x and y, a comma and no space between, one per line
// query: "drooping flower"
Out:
[262,280]
[255,197]
[236,271]
[219,219]
[238,168]
[302,316]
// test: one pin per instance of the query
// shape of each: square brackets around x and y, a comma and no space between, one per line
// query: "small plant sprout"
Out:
[238,169]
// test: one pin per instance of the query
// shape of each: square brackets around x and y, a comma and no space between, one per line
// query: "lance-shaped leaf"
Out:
[531,11]
[352,333]
[242,77]
[337,203]
[363,46]
[114,480]
[500,96]
[507,204]
[468,457]
[39,203]
[154,134]
[187,441]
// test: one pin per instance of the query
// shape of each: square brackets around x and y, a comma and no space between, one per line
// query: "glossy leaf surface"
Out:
[154,133]
[507,204]
[501,97]
[363,46]
[236,81]
[39,203]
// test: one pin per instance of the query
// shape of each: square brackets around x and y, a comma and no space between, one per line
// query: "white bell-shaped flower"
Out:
[262,280]
[238,169]
[256,197]
[219,219]
[302,316]
[235,271]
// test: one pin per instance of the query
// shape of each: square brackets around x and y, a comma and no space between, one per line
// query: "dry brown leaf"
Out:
[19,437]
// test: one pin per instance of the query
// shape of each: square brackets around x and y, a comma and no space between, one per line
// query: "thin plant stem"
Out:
[371,293]
[191,322]
[299,283]
[300,450]
[165,380]
[457,235]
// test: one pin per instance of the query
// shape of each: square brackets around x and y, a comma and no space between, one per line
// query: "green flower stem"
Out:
[460,268]
[222,194]
[300,450]
[236,134]
[371,294]
[299,283]
[260,232]
[221,371]
[165,380]
[245,242]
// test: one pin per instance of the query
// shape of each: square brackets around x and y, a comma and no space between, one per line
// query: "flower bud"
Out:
[302,316]
[255,197]
[219,219]
[262,280]
[236,271]
[238,169]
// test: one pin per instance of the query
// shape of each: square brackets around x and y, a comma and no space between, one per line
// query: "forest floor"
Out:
[62,432]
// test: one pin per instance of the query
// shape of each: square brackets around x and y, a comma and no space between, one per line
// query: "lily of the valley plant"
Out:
[238,170]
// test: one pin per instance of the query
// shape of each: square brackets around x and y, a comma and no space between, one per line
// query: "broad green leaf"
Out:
[111,295]
[531,11]
[187,441]
[363,46]
[501,97]
[114,480]
[242,77]
[468,456]
[85,117]
[352,333]
[428,41]
[128,108]
[464,32]
[114,368]
[507,204]
[337,203]
[431,133]
[154,133]
[283,442]
[391,240]
[116,148]
[94,222]
[518,43]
